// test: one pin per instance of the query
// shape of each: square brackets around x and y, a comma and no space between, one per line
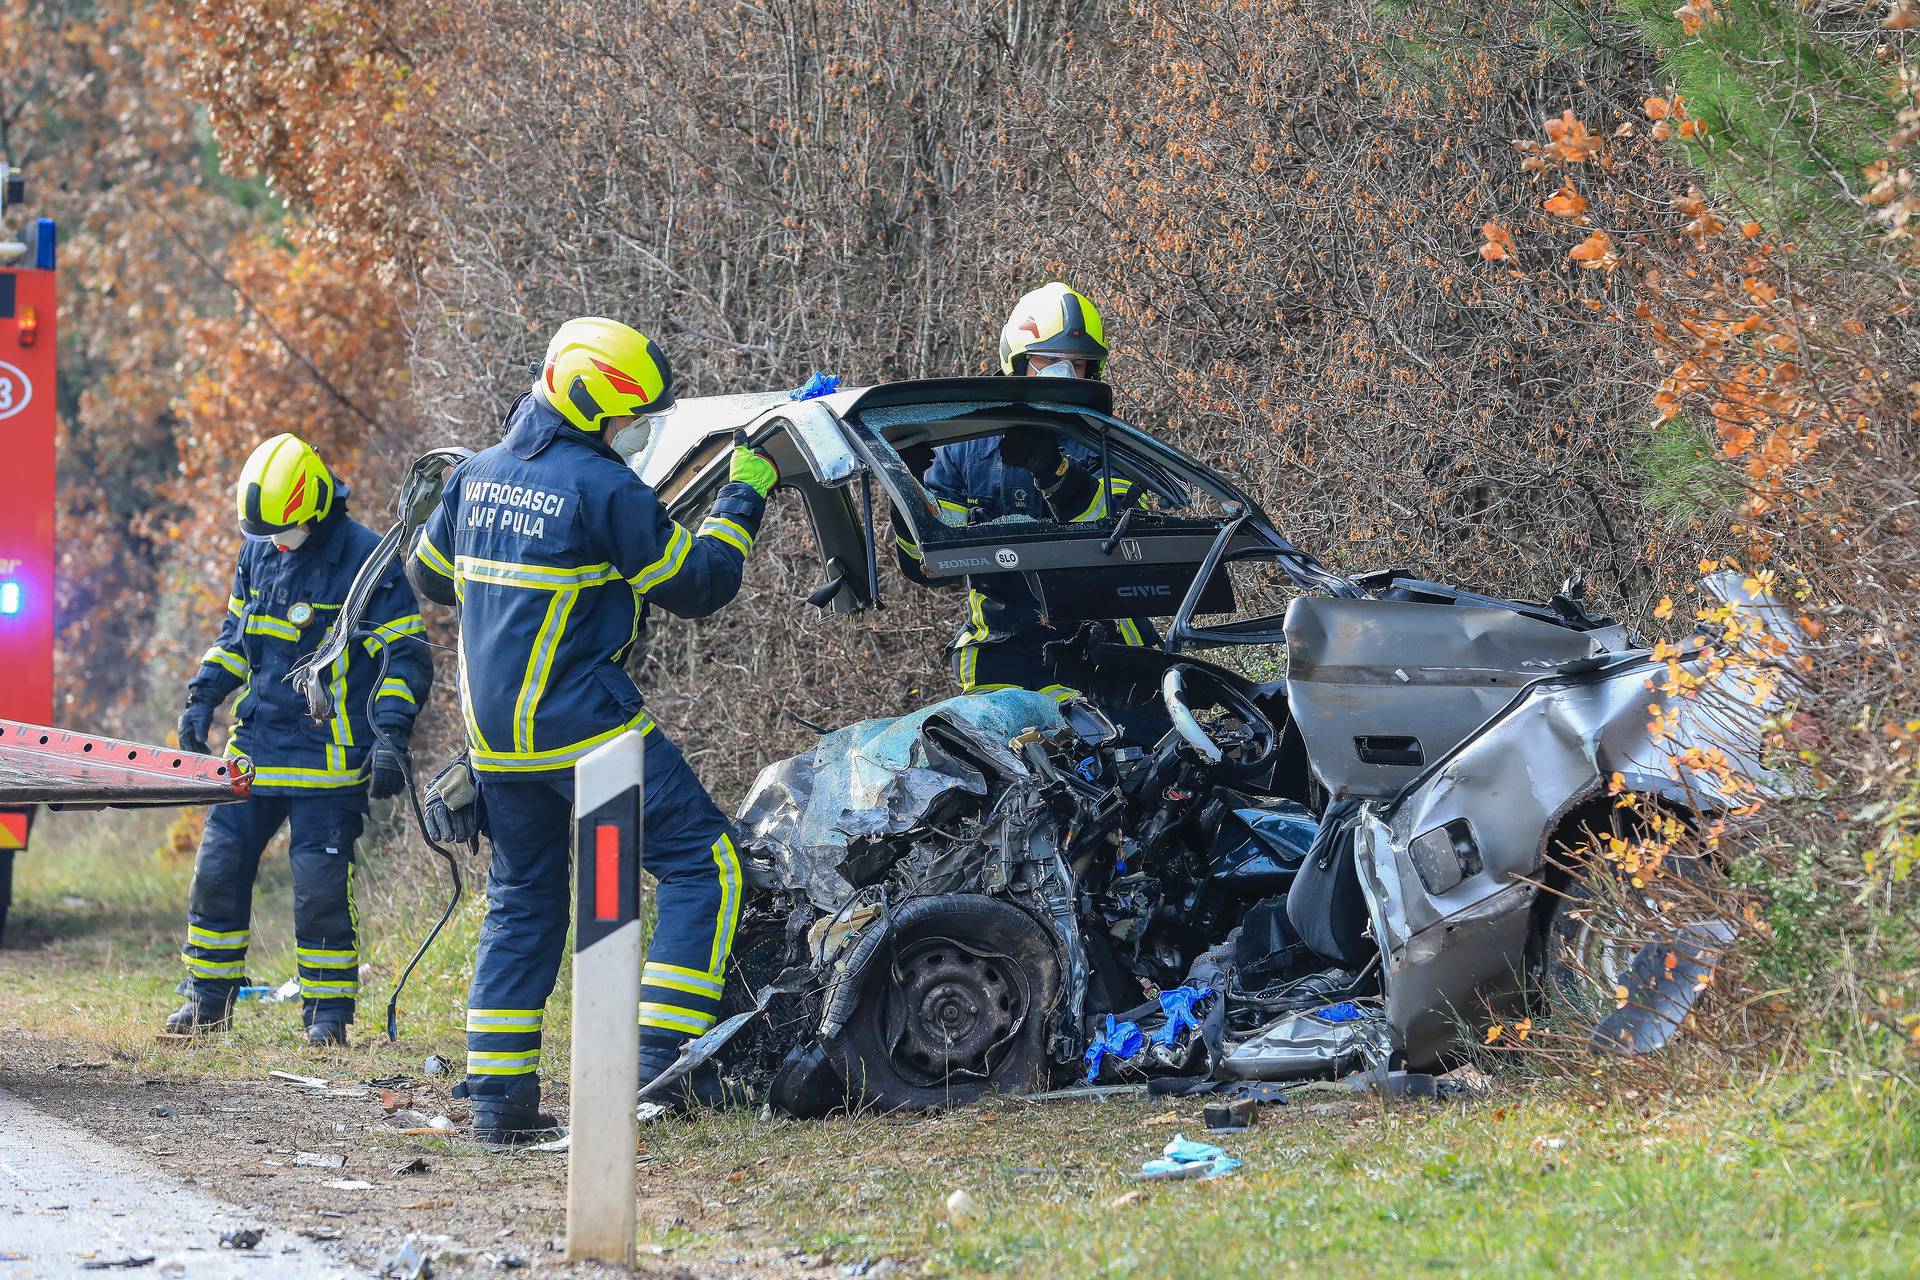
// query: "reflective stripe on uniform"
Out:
[727,861]
[266,775]
[1059,692]
[669,563]
[730,532]
[540,577]
[329,989]
[1129,631]
[395,687]
[215,968]
[533,685]
[679,978]
[326,957]
[235,605]
[411,624]
[261,624]
[670,1017]
[909,546]
[483,1062]
[504,1021]
[431,557]
[232,938]
[489,761]
[227,660]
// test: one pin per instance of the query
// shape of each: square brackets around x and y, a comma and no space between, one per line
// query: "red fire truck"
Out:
[28,339]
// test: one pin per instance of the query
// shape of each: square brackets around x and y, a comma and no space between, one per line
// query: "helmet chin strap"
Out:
[292,539]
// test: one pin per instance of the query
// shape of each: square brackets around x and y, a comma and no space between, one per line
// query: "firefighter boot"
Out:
[700,1087]
[327,1032]
[201,1016]
[512,1118]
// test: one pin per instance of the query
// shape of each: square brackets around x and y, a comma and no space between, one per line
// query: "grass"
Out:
[1770,1171]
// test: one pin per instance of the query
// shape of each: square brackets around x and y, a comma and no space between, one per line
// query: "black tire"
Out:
[955,1005]
[1597,923]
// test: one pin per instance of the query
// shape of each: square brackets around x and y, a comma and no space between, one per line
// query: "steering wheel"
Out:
[1261,741]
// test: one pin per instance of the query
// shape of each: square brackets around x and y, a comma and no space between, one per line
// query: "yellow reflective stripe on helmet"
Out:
[431,557]
[734,535]
[514,573]
[481,1062]
[533,684]
[909,546]
[225,659]
[262,625]
[727,860]
[1130,631]
[680,978]
[395,687]
[208,938]
[266,775]
[490,761]
[668,564]
[669,1017]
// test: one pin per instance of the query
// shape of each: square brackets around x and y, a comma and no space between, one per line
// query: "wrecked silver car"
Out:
[1191,869]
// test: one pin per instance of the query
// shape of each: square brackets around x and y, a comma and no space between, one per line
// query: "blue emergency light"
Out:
[9,599]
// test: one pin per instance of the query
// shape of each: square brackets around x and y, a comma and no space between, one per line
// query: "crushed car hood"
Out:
[810,821]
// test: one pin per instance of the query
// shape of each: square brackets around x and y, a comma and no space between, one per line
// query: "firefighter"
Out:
[1052,332]
[300,556]
[553,549]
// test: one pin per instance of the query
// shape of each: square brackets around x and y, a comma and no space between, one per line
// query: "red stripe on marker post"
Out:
[606,872]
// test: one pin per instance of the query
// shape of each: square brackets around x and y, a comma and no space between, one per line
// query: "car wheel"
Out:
[1599,924]
[955,1006]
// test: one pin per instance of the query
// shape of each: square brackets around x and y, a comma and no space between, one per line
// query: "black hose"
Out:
[405,760]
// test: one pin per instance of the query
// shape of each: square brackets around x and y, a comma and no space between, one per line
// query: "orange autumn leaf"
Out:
[1566,202]
[1595,252]
[1657,108]
[1570,139]
[1499,243]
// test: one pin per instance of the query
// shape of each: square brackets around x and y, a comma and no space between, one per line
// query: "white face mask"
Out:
[1058,369]
[292,539]
[631,440]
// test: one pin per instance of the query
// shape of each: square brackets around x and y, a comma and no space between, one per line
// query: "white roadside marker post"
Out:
[608,795]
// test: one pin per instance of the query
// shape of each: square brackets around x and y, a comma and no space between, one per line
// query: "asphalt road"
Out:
[68,1199]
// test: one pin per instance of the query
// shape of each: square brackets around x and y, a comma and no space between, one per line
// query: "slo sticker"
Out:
[1007,558]
[15,390]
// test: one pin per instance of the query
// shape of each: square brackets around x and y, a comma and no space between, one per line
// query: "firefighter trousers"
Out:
[323,829]
[688,847]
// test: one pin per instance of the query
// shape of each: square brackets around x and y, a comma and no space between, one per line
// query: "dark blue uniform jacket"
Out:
[550,545]
[282,604]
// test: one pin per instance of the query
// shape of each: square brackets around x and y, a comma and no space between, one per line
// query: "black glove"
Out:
[452,813]
[195,721]
[1033,449]
[390,770]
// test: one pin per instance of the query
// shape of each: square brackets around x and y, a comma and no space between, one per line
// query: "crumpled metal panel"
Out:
[815,815]
[40,765]
[1311,1043]
[1456,954]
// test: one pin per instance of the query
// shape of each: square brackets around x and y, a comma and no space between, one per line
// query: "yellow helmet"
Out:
[596,369]
[1053,320]
[283,484]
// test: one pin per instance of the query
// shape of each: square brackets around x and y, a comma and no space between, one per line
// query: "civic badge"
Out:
[300,614]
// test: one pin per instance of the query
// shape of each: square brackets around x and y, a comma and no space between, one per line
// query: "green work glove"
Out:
[754,469]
